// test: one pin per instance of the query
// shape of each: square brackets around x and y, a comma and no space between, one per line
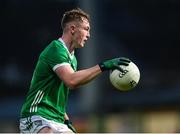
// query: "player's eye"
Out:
[86,28]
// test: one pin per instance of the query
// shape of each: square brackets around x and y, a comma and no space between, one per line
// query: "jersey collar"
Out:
[64,45]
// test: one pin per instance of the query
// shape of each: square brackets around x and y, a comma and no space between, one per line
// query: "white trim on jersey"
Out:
[59,65]
[65,46]
[36,101]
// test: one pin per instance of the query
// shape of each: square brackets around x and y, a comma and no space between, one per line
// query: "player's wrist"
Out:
[67,122]
[102,67]
[70,125]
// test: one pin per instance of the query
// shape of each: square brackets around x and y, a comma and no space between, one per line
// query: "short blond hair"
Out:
[76,14]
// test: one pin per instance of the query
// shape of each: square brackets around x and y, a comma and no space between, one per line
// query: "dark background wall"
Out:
[145,31]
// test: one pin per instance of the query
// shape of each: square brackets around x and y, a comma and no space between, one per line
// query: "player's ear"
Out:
[72,28]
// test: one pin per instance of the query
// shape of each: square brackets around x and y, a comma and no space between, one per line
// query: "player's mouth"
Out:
[85,41]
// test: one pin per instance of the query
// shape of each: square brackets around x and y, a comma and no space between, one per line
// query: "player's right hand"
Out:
[70,126]
[114,64]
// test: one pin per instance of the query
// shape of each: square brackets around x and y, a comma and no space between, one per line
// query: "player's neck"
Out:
[68,43]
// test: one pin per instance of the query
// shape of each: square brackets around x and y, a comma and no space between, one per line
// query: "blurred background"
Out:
[146,31]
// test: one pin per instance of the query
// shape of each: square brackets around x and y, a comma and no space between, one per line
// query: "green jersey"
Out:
[48,94]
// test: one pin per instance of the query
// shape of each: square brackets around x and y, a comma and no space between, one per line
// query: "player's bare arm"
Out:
[76,79]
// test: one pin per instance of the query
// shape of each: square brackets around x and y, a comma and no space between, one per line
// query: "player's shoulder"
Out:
[54,48]
[56,44]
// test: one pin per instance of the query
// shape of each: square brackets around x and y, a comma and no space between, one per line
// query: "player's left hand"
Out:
[70,126]
[114,64]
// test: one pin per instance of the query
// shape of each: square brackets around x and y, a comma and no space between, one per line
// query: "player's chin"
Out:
[81,45]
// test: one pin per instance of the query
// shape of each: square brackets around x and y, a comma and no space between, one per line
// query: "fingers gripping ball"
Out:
[114,64]
[126,80]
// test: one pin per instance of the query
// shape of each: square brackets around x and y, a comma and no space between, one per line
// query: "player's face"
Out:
[81,34]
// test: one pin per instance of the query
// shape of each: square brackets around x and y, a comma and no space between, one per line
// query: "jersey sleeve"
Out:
[55,57]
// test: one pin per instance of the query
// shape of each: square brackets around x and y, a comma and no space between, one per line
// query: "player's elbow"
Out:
[72,84]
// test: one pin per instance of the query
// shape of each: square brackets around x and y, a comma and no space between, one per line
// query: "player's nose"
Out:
[88,35]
